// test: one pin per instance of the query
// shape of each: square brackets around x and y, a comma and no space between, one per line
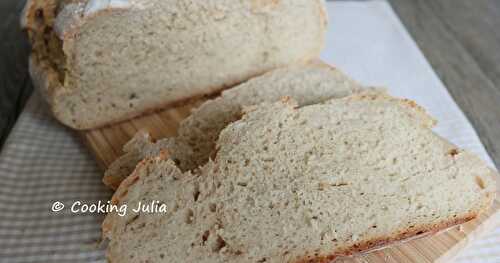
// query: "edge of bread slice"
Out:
[308,83]
[303,184]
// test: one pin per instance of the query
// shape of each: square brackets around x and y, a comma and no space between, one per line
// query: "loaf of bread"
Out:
[308,83]
[305,184]
[103,61]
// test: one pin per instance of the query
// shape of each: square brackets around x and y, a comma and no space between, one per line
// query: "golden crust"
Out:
[382,242]
[44,79]
[323,15]
[33,13]
[406,235]
[37,18]
[25,14]
[123,188]
[380,94]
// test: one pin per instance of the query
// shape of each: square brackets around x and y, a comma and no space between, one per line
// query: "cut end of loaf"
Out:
[109,70]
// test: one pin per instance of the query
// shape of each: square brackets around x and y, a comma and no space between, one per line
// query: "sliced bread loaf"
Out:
[303,184]
[309,83]
[103,61]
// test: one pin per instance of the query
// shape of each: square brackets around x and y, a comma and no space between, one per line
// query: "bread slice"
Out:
[103,61]
[305,184]
[308,83]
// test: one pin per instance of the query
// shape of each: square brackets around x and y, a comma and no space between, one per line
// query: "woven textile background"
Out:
[43,162]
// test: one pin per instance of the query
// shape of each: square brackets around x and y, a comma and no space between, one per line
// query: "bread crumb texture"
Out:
[308,83]
[303,184]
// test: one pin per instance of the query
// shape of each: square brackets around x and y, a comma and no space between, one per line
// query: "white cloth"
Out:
[43,162]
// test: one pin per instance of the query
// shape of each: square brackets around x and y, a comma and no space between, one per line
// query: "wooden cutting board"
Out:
[106,144]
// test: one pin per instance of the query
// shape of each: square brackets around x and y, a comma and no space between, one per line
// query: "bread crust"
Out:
[323,13]
[24,14]
[383,242]
[414,110]
[123,188]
